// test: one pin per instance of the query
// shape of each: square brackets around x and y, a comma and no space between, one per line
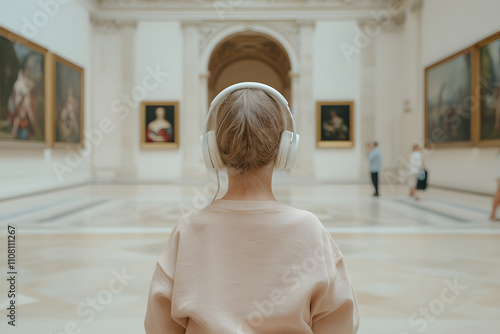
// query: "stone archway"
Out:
[249,56]
[292,39]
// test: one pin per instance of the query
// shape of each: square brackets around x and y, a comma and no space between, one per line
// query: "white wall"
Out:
[334,78]
[449,26]
[443,28]
[159,44]
[66,32]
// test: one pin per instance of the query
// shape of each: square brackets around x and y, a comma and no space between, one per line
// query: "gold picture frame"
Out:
[68,103]
[335,124]
[159,128]
[450,110]
[24,92]
[488,93]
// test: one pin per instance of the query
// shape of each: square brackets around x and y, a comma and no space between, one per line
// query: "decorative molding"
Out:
[113,4]
[90,5]
[208,30]
[290,30]
[395,22]
[236,10]
[306,23]
[416,5]
[204,75]
[111,25]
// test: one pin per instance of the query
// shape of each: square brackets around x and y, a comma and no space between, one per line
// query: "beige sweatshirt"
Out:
[251,267]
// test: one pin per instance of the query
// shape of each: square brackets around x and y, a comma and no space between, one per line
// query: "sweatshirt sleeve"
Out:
[159,318]
[336,309]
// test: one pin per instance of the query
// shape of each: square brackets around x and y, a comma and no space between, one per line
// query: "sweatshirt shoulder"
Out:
[306,219]
[186,220]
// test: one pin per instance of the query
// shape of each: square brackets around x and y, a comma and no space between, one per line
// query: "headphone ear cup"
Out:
[204,151]
[213,151]
[294,150]
[283,151]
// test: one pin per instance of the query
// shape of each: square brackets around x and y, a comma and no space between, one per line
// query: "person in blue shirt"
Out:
[375,159]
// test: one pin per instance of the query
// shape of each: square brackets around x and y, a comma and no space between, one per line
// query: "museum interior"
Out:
[103,102]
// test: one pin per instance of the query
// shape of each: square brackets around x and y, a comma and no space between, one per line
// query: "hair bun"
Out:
[248,131]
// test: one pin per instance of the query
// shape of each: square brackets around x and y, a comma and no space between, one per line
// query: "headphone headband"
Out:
[268,89]
[256,85]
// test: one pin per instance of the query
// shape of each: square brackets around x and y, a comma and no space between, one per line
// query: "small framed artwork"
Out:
[335,124]
[159,124]
[489,83]
[449,110]
[23,91]
[68,100]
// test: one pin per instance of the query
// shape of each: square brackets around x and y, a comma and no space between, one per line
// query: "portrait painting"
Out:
[160,124]
[448,89]
[489,55]
[68,102]
[335,124]
[22,89]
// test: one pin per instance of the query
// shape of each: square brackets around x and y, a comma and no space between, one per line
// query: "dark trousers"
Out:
[375,182]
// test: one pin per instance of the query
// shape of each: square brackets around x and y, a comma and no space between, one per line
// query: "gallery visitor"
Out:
[248,263]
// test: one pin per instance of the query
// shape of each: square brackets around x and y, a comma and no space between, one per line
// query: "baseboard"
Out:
[201,181]
[45,191]
[471,192]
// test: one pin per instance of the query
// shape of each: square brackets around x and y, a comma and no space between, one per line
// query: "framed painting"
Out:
[24,101]
[159,124]
[489,86]
[448,102]
[68,102]
[335,123]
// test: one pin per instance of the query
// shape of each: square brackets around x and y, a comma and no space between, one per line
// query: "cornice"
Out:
[211,4]
[90,5]
[106,24]
[196,10]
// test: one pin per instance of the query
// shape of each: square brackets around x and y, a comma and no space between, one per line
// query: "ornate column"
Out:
[113,65]
[107,66]
[367,98]
[128,160]
[303,103]
[411,122]
[192,112]
[204,76]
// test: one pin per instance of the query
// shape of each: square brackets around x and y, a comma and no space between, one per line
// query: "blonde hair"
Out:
[249,123]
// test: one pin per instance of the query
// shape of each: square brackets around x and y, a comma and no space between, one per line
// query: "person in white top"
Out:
[496,199]
[416,167]
[247,263]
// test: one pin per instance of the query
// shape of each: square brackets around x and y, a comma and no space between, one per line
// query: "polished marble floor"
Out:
[85,255]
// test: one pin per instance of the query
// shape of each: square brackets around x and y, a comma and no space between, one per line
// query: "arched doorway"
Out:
[249,56]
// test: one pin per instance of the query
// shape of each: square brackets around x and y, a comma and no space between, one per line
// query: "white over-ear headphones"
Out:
[289,144]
